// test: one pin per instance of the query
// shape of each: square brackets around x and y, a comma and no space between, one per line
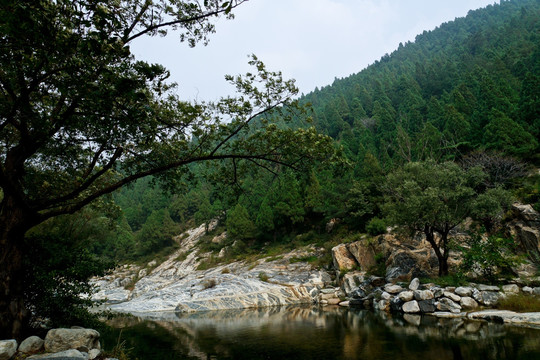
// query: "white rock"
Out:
[445,304]
[94,353]
[511,289]
[68,354]
[415,284]
[411,307]
[406,296]
[386,296]
[468,303]
[527,290]
[393,289]
[344,303]
[463,291]
[452,296]
[8,348]
[482,287]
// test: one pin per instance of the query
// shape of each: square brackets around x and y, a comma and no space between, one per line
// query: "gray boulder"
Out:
[510,289]
[64,339]
[489,298]
[406,296]
[463,291]
[32,344]
[427,306]
[8,348]
[446,304]
[452,296]
[482,287]
[63,355]
[342,258]
[393,289]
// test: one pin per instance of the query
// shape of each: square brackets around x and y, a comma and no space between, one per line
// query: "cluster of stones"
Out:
[332,296]
[429,298]
[66,344]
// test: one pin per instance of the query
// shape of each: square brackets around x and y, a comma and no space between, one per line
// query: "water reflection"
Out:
[328,333]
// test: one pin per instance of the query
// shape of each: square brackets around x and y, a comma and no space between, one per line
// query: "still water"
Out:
[313,333]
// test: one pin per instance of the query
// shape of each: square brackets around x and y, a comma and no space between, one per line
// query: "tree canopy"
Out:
[82,117]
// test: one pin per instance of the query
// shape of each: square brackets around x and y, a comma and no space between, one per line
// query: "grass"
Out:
[448,280]
[520,303]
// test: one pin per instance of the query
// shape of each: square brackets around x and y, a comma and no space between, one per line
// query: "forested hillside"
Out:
[471,85]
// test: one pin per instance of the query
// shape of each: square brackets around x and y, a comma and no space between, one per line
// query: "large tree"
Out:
[80,117]
[434,198]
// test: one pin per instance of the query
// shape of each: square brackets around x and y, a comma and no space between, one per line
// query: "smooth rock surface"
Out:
[363,253]
[445,304]
[489,298]
[482,287]
[509,317]
[62,355]
[411,307]
[342,258]
[468,303]
[510,289]
[406,296]
[452,296]
[463,291]
[8,348]
[393,289]
[31,344]
[427,306]
[415,284]
[64,339]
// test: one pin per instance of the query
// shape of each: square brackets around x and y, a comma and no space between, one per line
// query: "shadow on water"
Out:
[312,333]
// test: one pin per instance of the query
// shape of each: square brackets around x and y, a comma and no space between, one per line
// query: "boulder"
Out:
[396,304]
[352,280]
[406,296]
[8,348]
[383,305]
[393,289]
[423,295]
[415,284]
[413,319]
[452,296]
[527,289]
[405,263]
[386,296]
[427,306]
[344,303]
[32,344]
[62,355]
[334,301]
[64,339]
[363,253]
[445,304]
[526,212]
[437,292]
[510,289]
[488,287]
[411,307]
[468,303]
[342,258]
[536,291]
[463,291]
[489,298]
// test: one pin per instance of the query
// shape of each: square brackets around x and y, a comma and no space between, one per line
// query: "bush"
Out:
[376,226]
[488,256]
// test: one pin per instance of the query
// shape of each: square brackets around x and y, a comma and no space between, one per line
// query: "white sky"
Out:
[312,41]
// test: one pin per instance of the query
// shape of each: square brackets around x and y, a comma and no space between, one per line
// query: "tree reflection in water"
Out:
[313,333]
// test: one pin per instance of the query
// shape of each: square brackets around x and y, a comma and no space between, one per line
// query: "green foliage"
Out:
[58,267]
[239,224]
[263,277]
[376,226]
[488,256]
[156,233]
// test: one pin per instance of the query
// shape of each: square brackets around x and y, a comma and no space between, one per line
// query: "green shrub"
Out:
[489,256]
[376,226]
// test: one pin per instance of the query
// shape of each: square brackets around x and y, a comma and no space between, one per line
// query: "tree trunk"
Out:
[13,313]
[442,258]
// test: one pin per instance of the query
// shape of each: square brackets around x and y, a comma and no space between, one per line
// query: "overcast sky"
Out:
[312,41]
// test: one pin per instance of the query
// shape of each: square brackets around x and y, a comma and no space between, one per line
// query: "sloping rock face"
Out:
[525,228]
[177,285]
